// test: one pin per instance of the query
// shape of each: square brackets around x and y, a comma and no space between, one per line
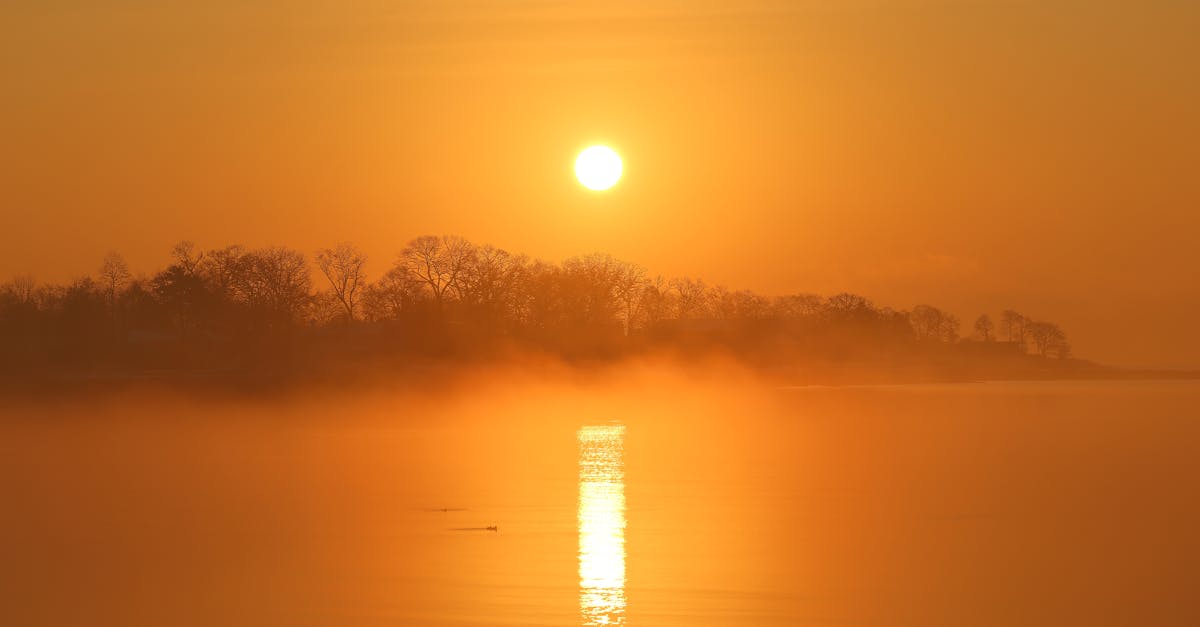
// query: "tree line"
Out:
[210,305]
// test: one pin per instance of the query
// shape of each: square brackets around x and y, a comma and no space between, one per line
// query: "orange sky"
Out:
[971,154]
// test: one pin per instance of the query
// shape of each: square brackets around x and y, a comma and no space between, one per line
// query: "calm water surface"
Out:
[983,504]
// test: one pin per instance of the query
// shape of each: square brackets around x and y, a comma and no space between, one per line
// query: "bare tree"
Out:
[750,305]
[847,307]
[739,305]
[438,262]
[720,302]
[690,296]
[392,294]
[588,291]
[187,257]
[1014,326]
[949,328]
[654,302]
[324,308]
[277,280]
[629,283]
[1049,339]
[931,323]
[343,267]
[22,288]
[537,302]
[490,282]
[114,274]
[797,305]
[225,270]
[984,328]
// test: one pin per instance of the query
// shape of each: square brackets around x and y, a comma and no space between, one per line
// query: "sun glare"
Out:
[602,525]
[598,168]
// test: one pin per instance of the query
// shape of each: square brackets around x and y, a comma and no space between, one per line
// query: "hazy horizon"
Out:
[375,269]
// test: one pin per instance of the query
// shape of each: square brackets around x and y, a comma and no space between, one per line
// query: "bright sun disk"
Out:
[598,168]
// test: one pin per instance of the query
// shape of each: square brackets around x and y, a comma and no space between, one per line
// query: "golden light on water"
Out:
[602,525]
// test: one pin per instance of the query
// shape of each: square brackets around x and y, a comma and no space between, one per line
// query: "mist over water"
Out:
[651,498]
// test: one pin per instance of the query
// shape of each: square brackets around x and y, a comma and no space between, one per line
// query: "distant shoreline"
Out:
[418,375]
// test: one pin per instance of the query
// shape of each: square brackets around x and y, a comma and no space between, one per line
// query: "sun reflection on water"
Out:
[602,525]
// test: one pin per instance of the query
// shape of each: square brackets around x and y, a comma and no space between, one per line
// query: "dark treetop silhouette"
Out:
[260,310]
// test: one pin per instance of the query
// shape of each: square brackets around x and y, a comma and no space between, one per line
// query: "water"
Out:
[655,503]
[602,525]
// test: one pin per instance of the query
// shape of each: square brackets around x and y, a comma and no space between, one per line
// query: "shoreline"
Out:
[445,374]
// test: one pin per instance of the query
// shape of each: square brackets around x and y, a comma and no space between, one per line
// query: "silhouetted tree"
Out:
[80,318]
[489,284]
[739,305]
[438,262]
[184,294]
[797,306]
[226,271]
[276,282]
[629,284]
[1014,326]
[689,297]
[392,295]
[719,301]
[654,304]
[114,274]
[445,293]
[931,323]
[22,289]
[1048,339]
[538,302]
[21,321]
[751,306]
[588,289]
[984,328]
[324,308]
[343,267]
[846,307]
[187,257]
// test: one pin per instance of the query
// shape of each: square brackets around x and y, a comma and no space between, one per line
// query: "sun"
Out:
[598,168]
